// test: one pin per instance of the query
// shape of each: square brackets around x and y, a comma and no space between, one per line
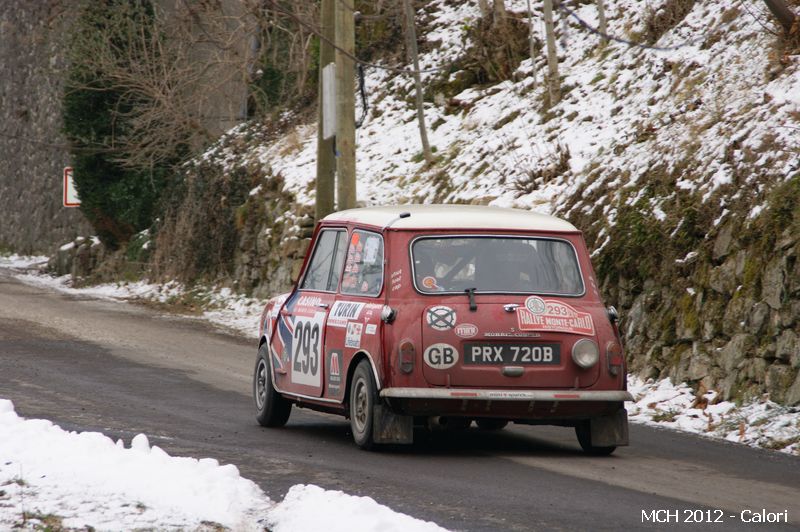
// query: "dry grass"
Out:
[660,20]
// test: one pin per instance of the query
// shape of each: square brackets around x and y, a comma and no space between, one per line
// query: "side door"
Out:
[354,324]
[300,338]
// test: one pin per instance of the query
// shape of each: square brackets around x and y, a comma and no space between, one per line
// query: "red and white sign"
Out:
[466,330]
[556,316]
[71,198]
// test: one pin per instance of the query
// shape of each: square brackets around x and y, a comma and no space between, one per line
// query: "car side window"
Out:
[363,269]
[326,263]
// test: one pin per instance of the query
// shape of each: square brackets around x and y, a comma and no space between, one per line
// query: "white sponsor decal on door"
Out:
[344,311]
[353,338]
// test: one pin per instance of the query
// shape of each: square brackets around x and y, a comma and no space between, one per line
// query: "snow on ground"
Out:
[49,476]
[760,423]
[22,262]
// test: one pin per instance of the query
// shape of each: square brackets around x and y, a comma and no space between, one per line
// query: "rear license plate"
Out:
[476,353]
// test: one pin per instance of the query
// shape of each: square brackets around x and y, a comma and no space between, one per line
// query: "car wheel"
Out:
[272,409]
[584,434]
[491,424]
[363,397]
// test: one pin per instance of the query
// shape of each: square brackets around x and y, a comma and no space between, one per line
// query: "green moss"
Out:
[753,268]
[688,314]
[665,415]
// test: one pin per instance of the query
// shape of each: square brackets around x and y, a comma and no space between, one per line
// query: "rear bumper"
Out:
[592,396]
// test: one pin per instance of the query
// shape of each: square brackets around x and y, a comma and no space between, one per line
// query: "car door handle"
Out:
[510,308]
[322,305]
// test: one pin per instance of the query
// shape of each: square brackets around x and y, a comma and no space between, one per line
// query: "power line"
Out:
[318,33]
[592,29]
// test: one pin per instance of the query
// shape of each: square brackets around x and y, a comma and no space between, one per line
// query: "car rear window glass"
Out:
[326,264]
[363,268]
[496,264]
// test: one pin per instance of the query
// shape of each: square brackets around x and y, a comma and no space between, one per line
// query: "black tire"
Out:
[456,423]
[584,434]
[363,398]
[272,409]
[491,424]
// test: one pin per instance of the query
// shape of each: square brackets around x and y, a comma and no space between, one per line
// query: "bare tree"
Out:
[553,78]
[786,17]
[483,5]
[531,44]
[602,24]
[175,76]
[413,55]
[498,10]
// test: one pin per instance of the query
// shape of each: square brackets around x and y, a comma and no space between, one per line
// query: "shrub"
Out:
[117,199]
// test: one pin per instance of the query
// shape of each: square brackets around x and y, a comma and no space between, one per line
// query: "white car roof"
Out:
[453,217]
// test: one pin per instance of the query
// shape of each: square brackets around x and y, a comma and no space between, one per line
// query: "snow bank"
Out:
[760,423]
[86,479]
[309,507]
[21,261]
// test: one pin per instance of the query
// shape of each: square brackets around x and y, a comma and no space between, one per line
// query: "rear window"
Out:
[496,264]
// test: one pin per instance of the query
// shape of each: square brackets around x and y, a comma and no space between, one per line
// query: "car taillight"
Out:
[614,358]
[585,353]
[407,356]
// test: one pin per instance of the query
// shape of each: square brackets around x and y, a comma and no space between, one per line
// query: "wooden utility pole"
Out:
[413,56]
[326,159]
[780,9]
[531,46]
[553,79]
[602,25]
[346,105]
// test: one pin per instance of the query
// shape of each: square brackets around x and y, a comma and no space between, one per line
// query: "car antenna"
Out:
[402,215]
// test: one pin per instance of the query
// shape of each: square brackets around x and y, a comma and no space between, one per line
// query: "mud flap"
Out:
[388,427]
[610,431]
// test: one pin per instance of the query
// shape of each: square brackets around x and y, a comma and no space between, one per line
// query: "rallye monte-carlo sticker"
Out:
[299,340]
[552,315]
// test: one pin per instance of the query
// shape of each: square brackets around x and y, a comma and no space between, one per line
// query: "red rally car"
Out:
[449,313]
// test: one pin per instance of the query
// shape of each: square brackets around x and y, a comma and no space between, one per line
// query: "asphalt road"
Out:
[124,369]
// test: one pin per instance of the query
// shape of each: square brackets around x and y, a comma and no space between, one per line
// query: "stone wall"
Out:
[32,149]
[730,322]
[33,38]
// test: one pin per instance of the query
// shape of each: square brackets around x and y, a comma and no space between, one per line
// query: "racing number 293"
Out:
[306,353]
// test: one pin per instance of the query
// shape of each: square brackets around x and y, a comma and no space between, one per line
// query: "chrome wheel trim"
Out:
[360,406]
[261,384]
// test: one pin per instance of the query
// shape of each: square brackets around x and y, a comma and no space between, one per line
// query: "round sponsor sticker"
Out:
[535,305]
[466,330]
[441,318]
[430,283]
[441,356]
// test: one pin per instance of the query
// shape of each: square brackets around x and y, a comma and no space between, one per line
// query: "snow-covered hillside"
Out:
[626,111]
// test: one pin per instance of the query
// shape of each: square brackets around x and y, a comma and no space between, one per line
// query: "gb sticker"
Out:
[441,356]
